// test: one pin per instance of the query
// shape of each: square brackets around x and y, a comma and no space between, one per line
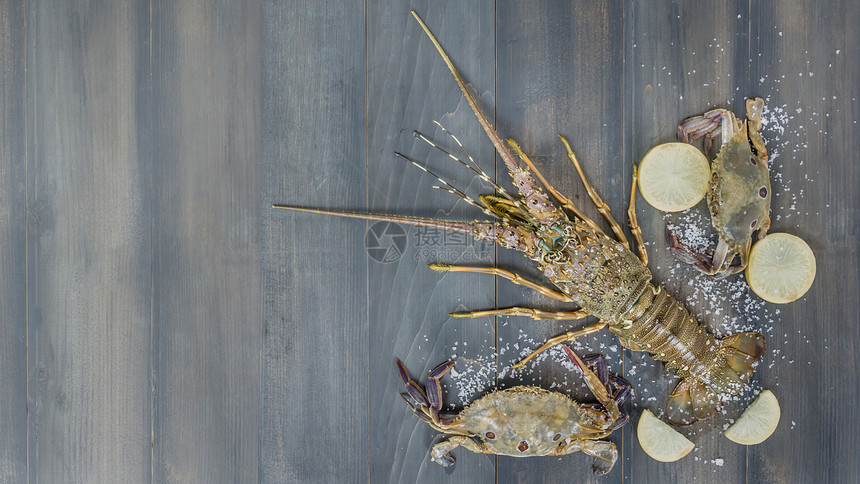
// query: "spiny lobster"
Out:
[600,274]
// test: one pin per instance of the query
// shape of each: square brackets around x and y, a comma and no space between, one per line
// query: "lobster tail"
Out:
[694,399]
[743,351]
[691,400]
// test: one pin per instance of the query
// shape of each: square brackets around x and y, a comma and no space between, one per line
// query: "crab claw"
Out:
[622,388]
[594,384]
[445,460]
[721,253]
[685,254]
[597,363]
[605,454]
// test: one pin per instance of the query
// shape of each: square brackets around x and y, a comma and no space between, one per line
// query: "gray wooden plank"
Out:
[151,255]
[680,62]
[560,72]
[408,304]
[88,242]
[314,268]
[13,250]
[206,241]
[804,59]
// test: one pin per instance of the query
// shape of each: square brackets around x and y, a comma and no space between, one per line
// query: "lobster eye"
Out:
[753,224]
[753,160]
[557,436]
[490,435]
[762,192]
[524,446]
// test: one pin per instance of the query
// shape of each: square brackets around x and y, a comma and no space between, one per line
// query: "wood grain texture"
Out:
[805,59]
[165,324]
[408,304]
[314,361]
[681,63]
[13,251]
[88,243]
[207,332]
[559,72]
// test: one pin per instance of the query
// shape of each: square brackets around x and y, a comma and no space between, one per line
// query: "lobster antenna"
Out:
[503,150]
[450,188]
[451,226]
[473,167]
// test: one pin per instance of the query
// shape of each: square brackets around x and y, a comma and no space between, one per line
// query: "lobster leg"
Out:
[634,223]
[562,338]
[516,279]
[565,202]
[602,207]
[518,311]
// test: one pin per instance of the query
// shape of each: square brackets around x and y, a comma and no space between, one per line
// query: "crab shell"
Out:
[739,191]
[528,421]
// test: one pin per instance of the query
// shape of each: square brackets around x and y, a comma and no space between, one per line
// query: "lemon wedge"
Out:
[674,176]
[758,421]
[659,440]
[781,268]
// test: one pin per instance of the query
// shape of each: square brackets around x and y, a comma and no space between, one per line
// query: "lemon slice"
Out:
[781,268]
[674,176]
[758,421]
[659,440]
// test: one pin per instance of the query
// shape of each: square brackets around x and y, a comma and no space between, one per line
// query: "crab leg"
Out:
[412,389]
[715,122]
[622,388]
[562,338]
[594,384]
[441,452]
[595,197]
[718,264]
[426,403]
[516,279]
[755,110]
[597,363]
[605,454]
[432,388]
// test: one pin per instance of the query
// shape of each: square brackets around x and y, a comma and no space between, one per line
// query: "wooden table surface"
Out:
[163,323]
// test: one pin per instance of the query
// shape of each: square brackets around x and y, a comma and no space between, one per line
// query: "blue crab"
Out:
[525,421]
[739,190]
